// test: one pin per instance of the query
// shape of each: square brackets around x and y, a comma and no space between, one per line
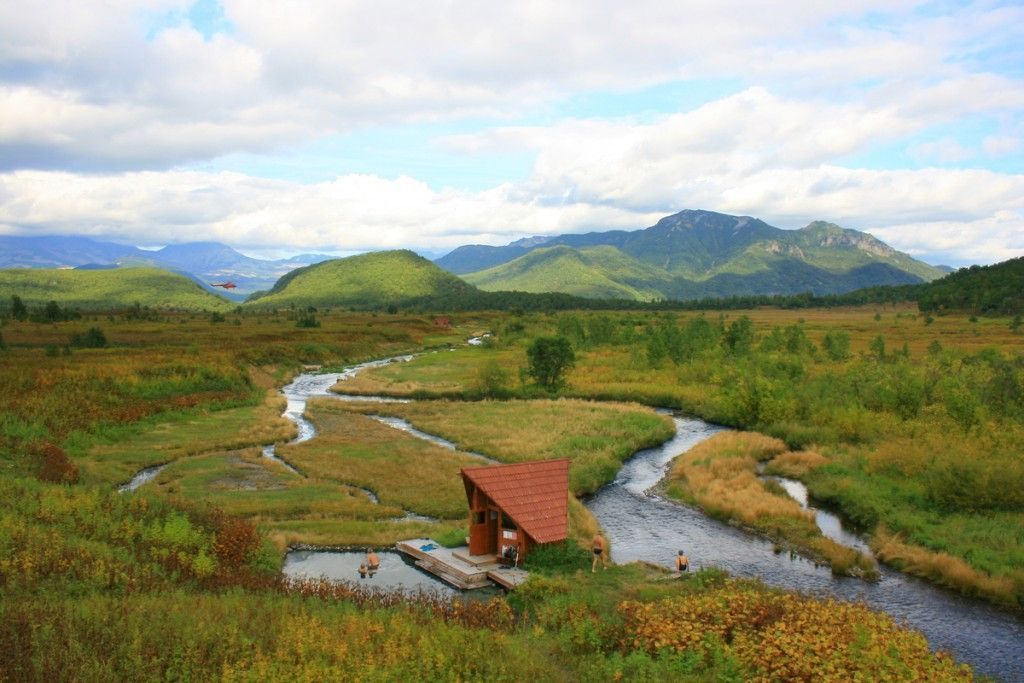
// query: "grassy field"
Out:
[918,419]
[180,579]
[125,451]
[601,435]
[400,469]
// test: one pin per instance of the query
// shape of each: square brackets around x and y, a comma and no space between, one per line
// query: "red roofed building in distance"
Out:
[517,506]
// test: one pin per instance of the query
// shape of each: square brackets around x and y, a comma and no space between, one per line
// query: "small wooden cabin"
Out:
[517,506]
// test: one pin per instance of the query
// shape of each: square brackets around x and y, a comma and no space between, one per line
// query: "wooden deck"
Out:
[458,568]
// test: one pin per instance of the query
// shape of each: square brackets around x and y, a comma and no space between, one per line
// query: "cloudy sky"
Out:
[324,125]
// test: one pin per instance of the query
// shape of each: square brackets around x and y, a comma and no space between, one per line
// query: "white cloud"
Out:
[944,150]
[1001,145]
[83,88]
[76,75]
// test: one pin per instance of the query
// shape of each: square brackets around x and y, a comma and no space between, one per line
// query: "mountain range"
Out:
[688,255]
[204,262]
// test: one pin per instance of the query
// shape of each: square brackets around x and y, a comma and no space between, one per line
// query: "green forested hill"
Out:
[601,272]
[694,254]
[998,288]
[364,281]
[109,288]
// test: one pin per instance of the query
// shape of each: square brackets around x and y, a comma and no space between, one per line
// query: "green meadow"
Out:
[180,579]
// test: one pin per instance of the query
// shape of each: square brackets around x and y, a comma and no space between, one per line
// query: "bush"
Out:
[492,379]
[564,557]
[92,339]
[55,466]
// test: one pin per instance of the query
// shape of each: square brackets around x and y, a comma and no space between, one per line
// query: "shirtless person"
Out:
[372,561]
[600,552]
[682,562]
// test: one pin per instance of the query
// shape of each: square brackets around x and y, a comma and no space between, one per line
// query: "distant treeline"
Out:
[524,301]
[995,289]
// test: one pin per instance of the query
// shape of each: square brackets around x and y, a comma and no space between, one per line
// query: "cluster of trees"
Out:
[996,289]
[52,312]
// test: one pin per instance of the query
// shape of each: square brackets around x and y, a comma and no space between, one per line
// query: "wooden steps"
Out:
[507,577]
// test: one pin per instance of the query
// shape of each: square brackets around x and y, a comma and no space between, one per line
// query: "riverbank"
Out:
[720,476]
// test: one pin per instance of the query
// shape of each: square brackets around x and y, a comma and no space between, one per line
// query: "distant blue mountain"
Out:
[204,262]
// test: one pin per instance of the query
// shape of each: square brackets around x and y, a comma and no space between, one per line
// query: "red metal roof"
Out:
[534,494]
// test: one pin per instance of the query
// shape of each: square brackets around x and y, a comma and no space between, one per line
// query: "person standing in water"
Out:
[682,562]
[372,561]
[599,549]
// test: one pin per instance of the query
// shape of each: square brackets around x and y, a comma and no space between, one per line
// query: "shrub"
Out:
[92,339]
[55,466]
[557,558]
[492,379]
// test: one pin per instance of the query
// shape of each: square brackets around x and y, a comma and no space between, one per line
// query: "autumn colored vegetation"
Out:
[918,420]
[180,579]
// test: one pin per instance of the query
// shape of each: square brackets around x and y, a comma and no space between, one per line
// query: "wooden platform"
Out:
[457,567]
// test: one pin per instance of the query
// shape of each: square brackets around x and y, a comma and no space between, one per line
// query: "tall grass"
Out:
[595,437]
[719,475]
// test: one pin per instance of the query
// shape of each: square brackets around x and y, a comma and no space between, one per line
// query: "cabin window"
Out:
[507,523]
[478,517]
[494,515]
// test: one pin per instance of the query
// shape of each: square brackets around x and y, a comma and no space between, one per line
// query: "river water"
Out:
[643,526]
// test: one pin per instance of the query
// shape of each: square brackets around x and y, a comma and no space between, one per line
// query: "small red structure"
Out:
[515,507]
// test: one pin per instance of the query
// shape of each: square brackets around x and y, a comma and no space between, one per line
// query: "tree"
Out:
[492,378]
[92,339]
[548,359]
[836,344]
[52,312]
[739,337]
[18,309]
[877,348]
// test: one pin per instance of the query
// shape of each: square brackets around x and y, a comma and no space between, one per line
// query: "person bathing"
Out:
[682,562]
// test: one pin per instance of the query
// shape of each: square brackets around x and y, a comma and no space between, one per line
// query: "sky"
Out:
[341,127]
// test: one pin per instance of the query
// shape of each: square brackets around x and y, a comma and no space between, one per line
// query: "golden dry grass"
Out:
[795,464]
[942,568]
[719,475]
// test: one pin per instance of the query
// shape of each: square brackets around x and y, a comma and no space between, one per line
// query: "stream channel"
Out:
[642,525]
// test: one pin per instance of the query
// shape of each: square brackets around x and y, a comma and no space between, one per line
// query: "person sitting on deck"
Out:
[510,556]
[372,561]
[682,562]
[598,547]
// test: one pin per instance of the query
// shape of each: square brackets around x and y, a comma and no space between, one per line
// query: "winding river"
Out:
[641,525]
